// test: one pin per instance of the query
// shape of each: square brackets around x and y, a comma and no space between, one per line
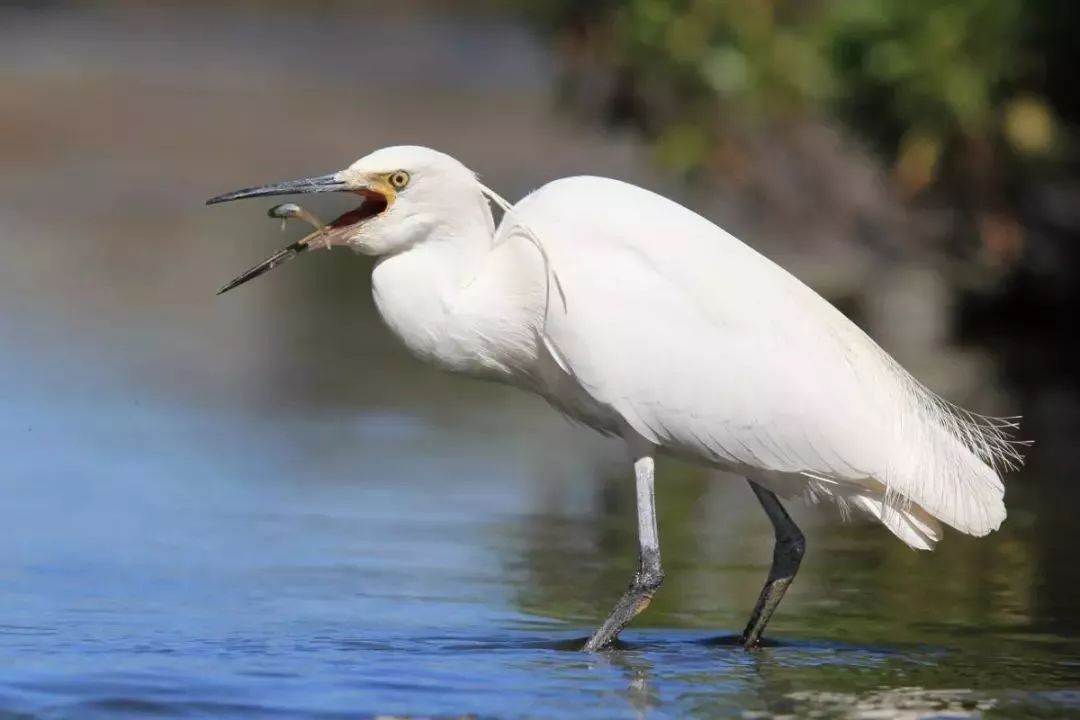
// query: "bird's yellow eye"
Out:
[399,179]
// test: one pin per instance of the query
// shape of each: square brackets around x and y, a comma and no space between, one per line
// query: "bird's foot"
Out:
[750,643]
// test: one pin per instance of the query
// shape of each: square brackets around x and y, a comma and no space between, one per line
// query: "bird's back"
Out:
[710,350]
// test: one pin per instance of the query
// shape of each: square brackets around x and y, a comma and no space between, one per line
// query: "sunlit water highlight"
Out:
[165,561]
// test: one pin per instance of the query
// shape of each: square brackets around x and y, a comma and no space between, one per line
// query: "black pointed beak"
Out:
[323,183]
[286,253]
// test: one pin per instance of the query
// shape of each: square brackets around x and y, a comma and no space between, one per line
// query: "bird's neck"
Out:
[425,296]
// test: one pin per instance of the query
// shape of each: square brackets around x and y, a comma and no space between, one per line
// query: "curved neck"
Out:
[418,291]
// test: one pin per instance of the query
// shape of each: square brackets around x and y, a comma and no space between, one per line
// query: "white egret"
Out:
[643,320]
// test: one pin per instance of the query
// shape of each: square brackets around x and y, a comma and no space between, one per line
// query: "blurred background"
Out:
[258,504]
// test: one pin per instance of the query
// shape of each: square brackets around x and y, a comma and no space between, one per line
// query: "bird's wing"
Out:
[707,348]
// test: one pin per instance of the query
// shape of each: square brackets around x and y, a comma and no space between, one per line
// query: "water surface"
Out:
[162,560]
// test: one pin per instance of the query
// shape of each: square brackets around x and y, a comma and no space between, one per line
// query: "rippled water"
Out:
[161,561]
[258,506]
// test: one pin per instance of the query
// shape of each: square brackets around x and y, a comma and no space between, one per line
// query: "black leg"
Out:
[787,555]
[649,574]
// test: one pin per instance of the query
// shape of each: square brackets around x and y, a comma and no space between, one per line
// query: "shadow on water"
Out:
[258,506]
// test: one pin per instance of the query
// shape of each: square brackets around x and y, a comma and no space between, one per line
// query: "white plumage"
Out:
[711,351]
[641,319]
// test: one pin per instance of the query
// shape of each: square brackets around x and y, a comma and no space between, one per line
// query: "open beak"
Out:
[286,253]
[373,203]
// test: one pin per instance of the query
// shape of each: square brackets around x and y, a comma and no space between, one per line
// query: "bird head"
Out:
[407,194]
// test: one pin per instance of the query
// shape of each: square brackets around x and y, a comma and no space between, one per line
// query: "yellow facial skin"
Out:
[353,228]
[387,184]
[390,184]
[381,185]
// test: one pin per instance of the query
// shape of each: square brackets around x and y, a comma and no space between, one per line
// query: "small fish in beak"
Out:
[292,211]
[284,212]
[373,202]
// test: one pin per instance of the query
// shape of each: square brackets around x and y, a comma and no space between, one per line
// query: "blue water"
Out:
[167,560]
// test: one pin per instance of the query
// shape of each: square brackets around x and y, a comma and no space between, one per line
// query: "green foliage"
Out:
[923,66]
[916,77]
